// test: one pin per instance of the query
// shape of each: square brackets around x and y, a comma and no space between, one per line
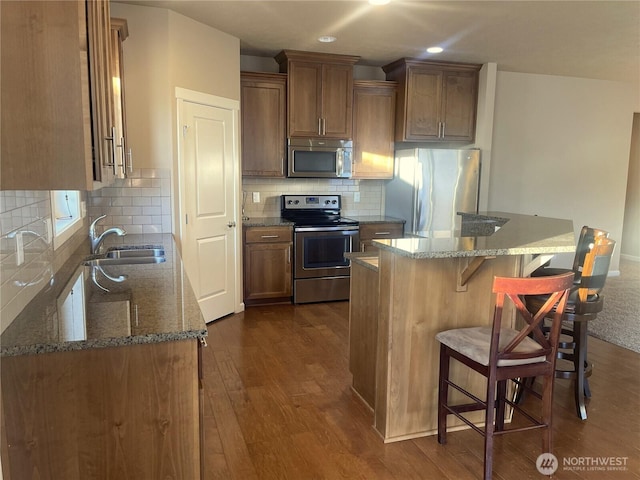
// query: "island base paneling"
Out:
[419,298]
[129,412]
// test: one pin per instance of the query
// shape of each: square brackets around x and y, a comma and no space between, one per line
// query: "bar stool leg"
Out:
[579,362]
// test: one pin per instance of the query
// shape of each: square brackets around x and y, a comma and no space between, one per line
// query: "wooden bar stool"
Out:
[584,303]
[501,354]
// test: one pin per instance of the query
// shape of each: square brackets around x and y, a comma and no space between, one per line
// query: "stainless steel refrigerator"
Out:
[429,188]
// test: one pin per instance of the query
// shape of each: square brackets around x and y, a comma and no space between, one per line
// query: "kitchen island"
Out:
[100,372]
[425,285]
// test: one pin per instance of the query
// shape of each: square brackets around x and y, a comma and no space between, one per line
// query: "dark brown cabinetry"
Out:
[319,93]
[374,106]
[436,101]
[263,118]
[267,264]
[56,94]
[376,231]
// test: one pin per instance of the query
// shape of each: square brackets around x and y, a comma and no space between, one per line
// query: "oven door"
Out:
[319,251]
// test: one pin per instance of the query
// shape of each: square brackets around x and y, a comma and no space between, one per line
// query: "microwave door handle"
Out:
[340,162]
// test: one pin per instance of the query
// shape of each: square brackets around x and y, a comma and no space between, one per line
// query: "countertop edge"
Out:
[37,349]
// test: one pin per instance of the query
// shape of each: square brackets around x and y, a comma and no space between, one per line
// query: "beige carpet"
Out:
[619,321]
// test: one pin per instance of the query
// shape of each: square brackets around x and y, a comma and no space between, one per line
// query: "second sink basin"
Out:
[132,255]
[135,252]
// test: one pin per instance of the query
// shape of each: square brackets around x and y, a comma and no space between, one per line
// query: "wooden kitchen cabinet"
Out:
[375,231]
[263,119]
[102,413]
[374,106]
[267,264]
[437,101]
[56,95]
[124,158]
[319,94]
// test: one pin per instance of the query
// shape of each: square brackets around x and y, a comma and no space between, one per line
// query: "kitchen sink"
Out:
[135,252]
[127,256]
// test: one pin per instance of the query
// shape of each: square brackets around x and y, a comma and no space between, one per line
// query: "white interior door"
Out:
[209,233]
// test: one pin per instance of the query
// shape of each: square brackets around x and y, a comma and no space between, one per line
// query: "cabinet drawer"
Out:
[268,234]
[380,230]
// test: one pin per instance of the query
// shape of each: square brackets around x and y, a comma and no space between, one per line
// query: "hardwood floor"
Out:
[278,405]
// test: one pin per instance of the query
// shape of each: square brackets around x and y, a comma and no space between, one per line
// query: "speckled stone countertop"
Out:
[145,303]
[489,233]
[365,219]
[266,222]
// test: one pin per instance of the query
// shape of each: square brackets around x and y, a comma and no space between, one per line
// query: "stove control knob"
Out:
[296,202]
[327,202]
[334,201]
[289,202]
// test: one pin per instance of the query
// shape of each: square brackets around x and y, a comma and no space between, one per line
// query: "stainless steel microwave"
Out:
[319,158]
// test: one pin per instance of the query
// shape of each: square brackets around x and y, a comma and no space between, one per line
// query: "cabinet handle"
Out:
[443,127]
[130,157]
[319,126]
[231,224]
[288,255]
[383,233]
[112,139]
[324,126]
[203,341]
[269,236]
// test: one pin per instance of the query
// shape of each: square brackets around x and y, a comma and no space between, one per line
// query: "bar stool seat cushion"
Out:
[475,343]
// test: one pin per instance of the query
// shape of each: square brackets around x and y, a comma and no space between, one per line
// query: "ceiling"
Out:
[590,39]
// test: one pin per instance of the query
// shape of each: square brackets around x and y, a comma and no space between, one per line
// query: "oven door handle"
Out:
[327,229]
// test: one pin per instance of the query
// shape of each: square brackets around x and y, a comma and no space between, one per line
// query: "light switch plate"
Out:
[256,197]
[356,197]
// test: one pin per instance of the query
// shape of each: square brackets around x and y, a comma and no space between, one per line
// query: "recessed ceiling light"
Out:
[379,2]
[435,49]
[327,39]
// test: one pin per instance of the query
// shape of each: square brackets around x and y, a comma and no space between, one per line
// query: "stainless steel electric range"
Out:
[321,238]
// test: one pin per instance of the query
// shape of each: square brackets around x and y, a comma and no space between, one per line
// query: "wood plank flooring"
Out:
[278,405]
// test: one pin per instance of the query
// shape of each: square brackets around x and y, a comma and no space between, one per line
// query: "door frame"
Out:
[183,95]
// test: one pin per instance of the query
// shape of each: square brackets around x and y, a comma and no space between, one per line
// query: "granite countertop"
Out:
[365,219]
[266,222]
[487,234]
[124,304]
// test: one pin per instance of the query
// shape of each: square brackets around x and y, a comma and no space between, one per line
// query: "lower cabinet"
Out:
[267,264]
[376,231]
[127,412]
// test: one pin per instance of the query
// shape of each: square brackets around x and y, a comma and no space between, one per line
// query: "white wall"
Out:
[561,149]
[166,50]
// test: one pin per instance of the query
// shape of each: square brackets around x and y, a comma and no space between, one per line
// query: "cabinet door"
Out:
[102,99]
[337,100]
[424,103]
[374,105]
[45,120]
[459,105]
[267,272]
[305,99]
[119,33]
[263,117]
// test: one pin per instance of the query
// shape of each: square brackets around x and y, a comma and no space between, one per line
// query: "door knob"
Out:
[231,224]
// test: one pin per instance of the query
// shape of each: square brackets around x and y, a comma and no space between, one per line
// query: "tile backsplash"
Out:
[371,194]
[25,217]
[140,203]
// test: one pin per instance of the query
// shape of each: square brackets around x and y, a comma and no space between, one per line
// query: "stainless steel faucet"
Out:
[97,241]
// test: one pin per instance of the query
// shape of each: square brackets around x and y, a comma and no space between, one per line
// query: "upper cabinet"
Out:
[263,118]
[56,94]
[374,107]
[437,101]
[124,157]
[319,93]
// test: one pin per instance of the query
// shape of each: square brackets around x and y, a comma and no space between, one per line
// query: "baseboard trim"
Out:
[631,258]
